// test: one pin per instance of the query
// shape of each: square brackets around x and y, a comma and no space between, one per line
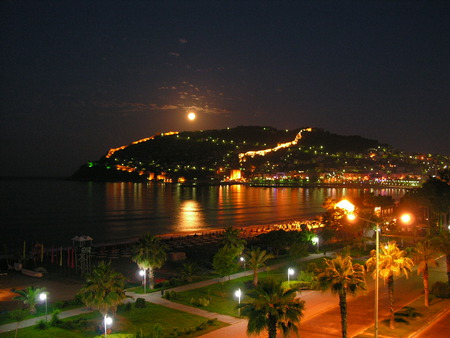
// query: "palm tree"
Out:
[256,259]
[423,255]
[442,243]
[104,289]
[29,297]
[342,277]
[150,253]
[272,308]
[188,271]
[392,262]
[231,240]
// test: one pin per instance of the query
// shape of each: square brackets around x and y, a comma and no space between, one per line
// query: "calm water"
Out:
[55,211]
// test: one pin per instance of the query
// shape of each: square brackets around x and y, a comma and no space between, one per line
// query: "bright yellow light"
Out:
[406,218]
[351,217]
[346,205]
[191,116]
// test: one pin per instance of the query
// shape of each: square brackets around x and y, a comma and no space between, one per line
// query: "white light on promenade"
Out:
[43,298]
[315,240]
[144,275]
[290,272]
[108,321]
[243,261]
[238,294]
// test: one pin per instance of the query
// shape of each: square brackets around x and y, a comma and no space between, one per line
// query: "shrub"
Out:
[42,325]
[140,303]
[55,321]
[203,301]
[157,331]
[440,290]
[79,323]
[170,295]
[124,307]
[199,302]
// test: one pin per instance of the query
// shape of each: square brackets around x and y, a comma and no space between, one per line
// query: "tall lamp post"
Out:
[144,275]
[405,218]
[243,261]
[108,321]
[290,272]
[238,294]
[43,297]
[377,261]
[315,240]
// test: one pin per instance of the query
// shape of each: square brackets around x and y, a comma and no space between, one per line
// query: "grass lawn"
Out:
[40,311]
[407,325]
[127,323]
[221,295]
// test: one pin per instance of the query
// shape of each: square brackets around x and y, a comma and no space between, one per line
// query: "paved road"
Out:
[437,329]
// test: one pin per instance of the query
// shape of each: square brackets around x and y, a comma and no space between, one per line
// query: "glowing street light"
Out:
[242,259]
[290,272]
[346,205]
[406,218]
[315,240]
[143,273]
[107,321]
[238,294]
[43,298]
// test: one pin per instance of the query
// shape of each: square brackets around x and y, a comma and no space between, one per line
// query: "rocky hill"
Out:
[209,155]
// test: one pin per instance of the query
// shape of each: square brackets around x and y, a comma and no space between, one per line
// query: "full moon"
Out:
[191,116]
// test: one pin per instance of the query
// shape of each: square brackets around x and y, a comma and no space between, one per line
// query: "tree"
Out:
[188,271]
[224,262]
[272,308]
[423,255]
[232,241]
[150,253]
[392,262]
[17,315]
[29,297]
[342,277]
[442,243]
[256,259]
[434,194]
[104,289]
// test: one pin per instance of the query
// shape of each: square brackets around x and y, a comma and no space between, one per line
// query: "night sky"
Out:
[80,77]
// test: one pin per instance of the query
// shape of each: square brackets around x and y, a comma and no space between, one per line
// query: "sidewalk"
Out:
[34,321]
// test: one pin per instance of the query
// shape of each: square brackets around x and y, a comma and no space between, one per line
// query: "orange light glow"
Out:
[346,205]
[191,116]
[406,218]
[113,150]
[278,147]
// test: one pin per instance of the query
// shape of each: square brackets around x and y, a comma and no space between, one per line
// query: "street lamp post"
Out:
[377,259]
[43,297]
[350,208]
[290,272]
[143,273]
[107,321]
[243,261]
[316,241]
[238,294]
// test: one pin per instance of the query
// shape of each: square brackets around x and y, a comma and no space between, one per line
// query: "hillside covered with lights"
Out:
[260,155]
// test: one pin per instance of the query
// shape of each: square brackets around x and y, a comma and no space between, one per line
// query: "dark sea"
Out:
[54,211]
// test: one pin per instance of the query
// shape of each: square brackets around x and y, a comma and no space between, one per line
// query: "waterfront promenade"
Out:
[321,315]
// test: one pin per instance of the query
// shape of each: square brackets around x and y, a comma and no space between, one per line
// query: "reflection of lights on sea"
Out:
[190,217]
